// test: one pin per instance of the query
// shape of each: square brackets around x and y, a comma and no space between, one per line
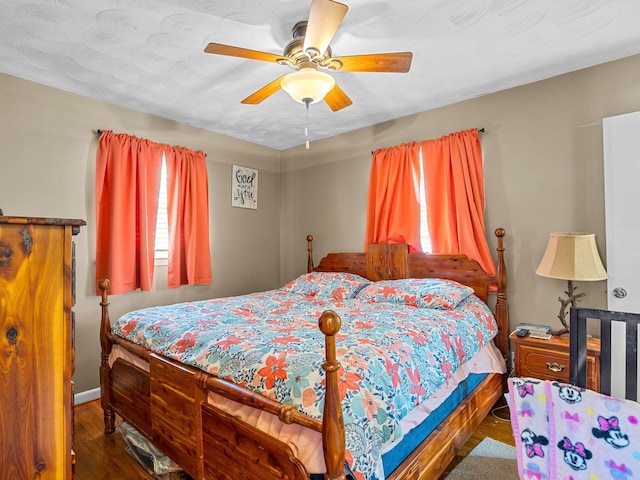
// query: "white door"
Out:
[621,141]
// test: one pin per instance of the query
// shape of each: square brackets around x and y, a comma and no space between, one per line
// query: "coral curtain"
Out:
[454,186]
[393,211]
[127,185]
[188,217]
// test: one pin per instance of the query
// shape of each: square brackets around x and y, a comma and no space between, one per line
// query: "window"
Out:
[124,164]
[162,223]
[454,192]
[425,240]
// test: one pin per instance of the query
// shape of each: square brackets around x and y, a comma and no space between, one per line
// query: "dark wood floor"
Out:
[100,456]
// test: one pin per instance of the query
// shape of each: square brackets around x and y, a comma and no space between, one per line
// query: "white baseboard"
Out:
[86,396]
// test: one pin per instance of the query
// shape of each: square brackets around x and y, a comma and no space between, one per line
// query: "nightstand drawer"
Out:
[535,362]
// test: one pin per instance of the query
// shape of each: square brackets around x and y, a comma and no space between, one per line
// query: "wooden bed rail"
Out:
[286,413]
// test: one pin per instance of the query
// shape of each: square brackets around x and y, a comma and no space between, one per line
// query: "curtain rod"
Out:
[480,130]
[99,132]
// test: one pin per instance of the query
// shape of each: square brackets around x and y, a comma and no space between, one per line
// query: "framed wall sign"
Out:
[244,187]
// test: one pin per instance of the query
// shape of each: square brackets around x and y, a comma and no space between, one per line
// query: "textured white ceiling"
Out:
[148,55]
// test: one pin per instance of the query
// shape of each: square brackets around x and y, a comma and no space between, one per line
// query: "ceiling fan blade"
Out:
[377,62]
[220,49]
[265,92]
[325,17]
[337,99]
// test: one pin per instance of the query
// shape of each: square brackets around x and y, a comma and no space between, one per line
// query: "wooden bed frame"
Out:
[168,403]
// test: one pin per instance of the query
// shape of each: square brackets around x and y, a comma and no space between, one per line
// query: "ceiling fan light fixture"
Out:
[308,85]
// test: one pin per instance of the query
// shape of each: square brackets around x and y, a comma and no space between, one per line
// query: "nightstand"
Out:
[549,359]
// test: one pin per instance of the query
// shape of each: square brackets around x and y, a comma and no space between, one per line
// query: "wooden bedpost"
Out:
[309,253]
[105,344]
[333,443]
[502,307]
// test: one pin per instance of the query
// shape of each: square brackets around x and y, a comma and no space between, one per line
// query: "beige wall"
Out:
[543,170]
[47,163]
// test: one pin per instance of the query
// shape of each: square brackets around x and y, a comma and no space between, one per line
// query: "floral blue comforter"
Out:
[392,354]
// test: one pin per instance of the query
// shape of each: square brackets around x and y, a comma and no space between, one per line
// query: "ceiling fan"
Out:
[308,53]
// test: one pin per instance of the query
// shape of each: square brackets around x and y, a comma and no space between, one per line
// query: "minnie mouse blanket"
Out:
[563,432]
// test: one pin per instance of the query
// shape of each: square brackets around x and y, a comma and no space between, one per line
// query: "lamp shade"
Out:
[307,85]
[572,256]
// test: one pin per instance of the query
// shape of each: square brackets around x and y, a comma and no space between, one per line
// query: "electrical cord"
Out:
[502,407]
[495,415]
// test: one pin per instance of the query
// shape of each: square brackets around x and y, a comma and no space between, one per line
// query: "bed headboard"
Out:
[393,261]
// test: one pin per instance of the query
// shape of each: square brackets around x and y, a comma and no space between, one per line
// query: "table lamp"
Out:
[571,256]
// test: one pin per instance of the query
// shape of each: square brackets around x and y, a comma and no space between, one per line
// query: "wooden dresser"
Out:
[37,292]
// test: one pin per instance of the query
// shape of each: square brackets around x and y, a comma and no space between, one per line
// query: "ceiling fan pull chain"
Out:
[306,128]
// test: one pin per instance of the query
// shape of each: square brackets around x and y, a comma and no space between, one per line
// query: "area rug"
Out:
[490,459]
